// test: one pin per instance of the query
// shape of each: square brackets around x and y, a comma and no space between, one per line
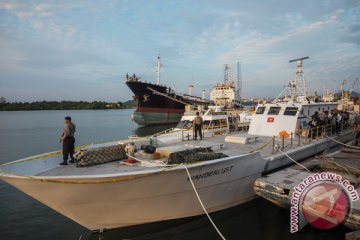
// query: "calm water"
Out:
[27,133]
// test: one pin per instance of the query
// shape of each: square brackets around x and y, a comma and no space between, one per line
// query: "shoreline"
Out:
[33,110]
[64,105]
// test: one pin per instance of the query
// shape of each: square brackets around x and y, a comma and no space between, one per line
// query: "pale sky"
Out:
[81,50]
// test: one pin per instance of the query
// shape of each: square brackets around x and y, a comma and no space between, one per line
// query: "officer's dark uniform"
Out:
[198,121]
[68,141]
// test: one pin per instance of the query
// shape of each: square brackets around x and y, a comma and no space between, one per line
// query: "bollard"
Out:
[299,143]
[291,140]
[273,145]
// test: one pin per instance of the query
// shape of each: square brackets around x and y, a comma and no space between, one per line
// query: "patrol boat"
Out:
[117,184]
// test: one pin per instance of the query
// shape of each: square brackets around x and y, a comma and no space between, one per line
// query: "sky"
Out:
[81,50]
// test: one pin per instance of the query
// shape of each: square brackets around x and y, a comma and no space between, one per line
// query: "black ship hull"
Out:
[156,104]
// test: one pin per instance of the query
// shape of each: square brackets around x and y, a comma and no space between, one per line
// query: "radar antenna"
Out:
[298,85]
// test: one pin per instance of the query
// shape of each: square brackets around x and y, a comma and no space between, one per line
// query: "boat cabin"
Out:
[217,120]
[272,118]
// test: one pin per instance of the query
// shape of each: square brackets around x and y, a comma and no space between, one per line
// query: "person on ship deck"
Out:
[68,140]
[198,121]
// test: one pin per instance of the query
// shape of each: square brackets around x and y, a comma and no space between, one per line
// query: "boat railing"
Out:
[164,132]
[307,135]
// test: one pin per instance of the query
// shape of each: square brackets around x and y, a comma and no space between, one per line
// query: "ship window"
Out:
[206,123]
[274,110]
[290,111]
[215,123]
[223,122]
[260,110]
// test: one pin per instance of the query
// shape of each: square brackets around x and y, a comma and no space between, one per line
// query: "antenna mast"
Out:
[298,85]
[158,67]
[228,76]
[239,80]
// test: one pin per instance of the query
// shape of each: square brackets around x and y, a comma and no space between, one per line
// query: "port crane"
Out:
[354,86]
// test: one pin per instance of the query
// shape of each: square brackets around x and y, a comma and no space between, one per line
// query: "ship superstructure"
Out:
[228,94]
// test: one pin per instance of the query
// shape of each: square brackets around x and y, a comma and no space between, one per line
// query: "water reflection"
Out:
[257,219]
[149,130]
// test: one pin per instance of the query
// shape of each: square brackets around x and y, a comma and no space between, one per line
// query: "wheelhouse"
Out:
[272,118]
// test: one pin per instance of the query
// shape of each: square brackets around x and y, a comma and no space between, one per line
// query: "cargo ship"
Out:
[159,104]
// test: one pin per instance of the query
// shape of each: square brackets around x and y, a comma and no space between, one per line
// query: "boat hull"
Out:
[119,201]
[156,116]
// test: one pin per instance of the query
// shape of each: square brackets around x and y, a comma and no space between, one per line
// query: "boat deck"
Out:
[218,144]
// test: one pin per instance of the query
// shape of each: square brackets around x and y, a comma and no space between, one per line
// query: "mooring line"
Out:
[201,203]
[294,160]
[344,144]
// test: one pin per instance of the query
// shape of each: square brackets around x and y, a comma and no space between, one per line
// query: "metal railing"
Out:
[307,135]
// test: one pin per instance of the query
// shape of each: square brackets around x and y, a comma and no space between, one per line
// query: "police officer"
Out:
[68,140]
[198,121]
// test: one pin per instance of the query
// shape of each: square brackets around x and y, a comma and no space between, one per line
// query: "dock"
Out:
[278,187]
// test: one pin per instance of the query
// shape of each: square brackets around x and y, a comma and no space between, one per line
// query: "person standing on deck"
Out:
[356,128]
[68,141]
[198,121]
[338,123]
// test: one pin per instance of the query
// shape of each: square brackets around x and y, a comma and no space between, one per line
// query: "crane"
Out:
[342,88]
[355,85]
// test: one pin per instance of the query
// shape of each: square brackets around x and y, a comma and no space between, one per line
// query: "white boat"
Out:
[116,194]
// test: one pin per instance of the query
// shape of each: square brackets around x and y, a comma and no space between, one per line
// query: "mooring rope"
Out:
[344,144]
[294,160]
[261,147]
[201,203]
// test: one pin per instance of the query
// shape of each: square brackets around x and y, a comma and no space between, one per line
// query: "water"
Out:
[28,133]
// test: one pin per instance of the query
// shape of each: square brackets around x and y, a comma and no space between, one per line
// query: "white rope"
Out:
[344,144]
[294,160]
[201,203]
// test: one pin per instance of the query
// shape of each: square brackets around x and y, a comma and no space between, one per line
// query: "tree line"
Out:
[61,105]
